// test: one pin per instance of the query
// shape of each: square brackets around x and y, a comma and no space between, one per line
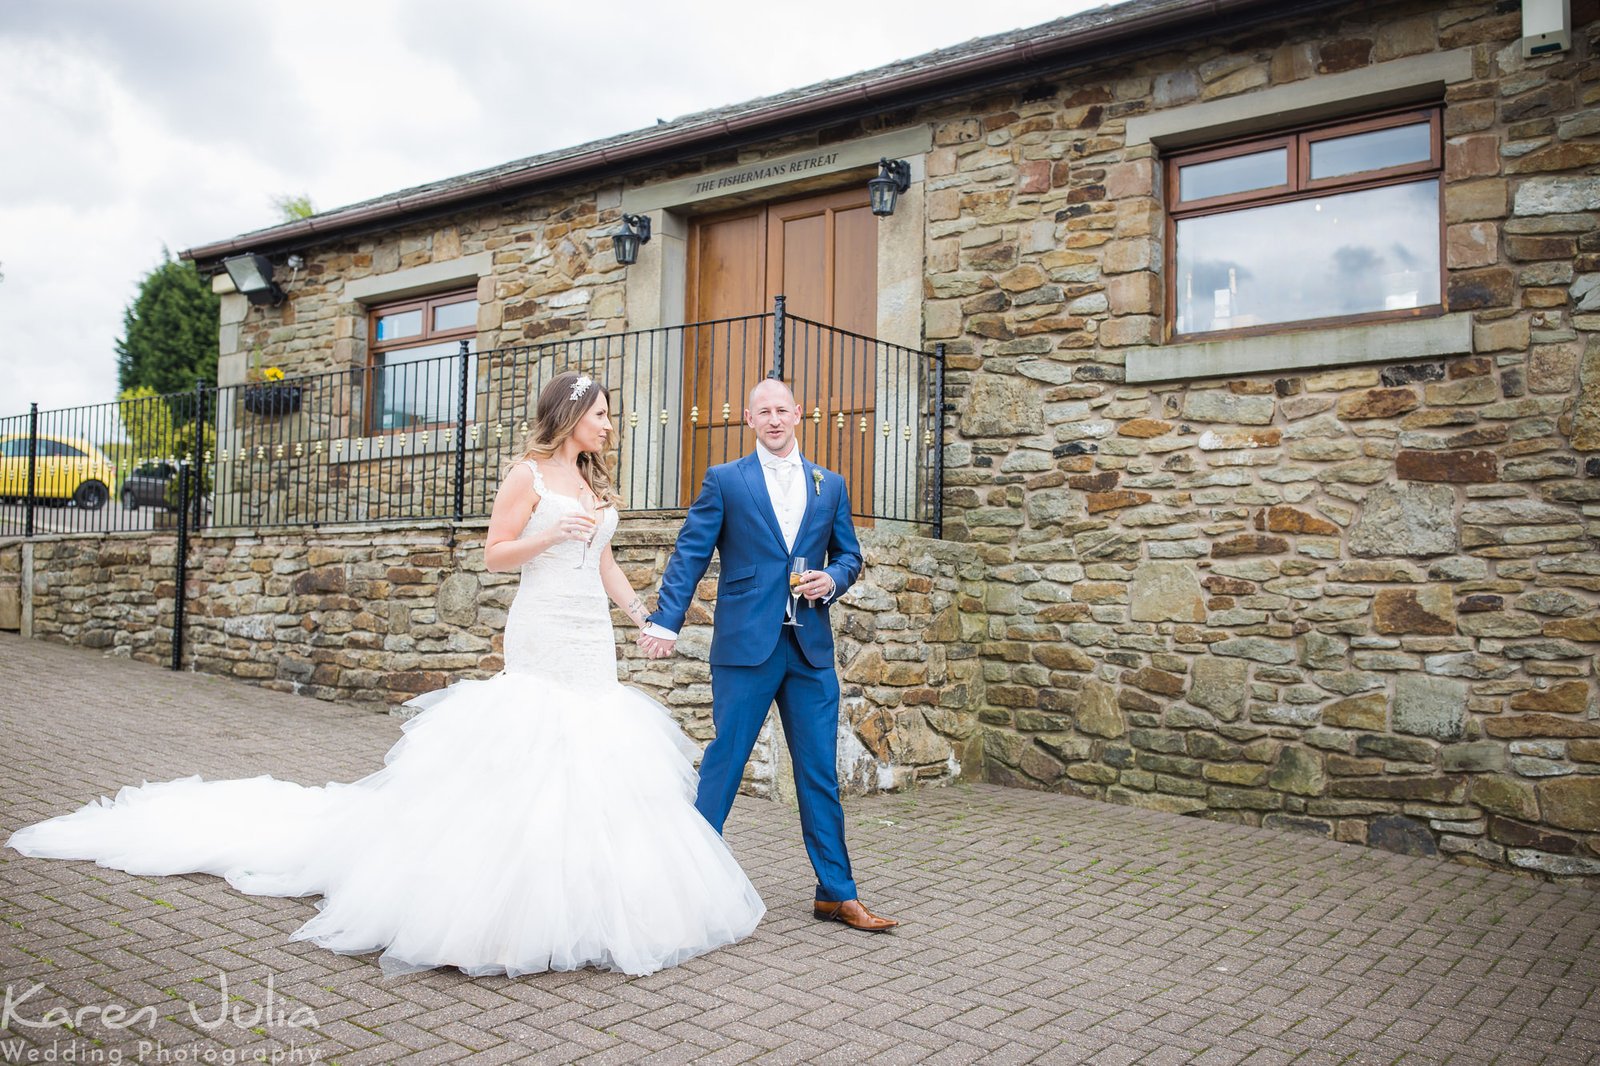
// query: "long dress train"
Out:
[542,819]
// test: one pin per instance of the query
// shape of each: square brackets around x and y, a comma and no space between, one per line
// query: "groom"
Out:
[758,513]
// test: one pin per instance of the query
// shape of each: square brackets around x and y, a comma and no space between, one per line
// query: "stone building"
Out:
[1272,472]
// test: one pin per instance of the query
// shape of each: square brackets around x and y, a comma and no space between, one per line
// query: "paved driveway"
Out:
[58,517]
[1038,928]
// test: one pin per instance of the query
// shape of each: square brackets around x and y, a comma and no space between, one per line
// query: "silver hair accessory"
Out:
[580,387]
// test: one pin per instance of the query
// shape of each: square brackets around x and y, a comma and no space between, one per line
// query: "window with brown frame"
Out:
[411,346]
[1332,224]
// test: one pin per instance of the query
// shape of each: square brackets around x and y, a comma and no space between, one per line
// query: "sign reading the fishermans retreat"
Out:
[762,171]
[864,153]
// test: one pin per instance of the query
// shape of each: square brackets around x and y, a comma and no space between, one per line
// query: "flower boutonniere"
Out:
[816,480]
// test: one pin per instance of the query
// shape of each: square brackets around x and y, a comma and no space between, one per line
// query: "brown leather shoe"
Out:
[851,913]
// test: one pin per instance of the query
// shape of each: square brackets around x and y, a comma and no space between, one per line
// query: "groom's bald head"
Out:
[773,413]
[770,389]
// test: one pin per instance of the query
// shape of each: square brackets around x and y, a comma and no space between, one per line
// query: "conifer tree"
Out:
[169,331]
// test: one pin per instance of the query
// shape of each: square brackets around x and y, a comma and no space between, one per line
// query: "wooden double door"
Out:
[821,254]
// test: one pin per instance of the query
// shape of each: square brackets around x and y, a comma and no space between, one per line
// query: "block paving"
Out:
[1038,928]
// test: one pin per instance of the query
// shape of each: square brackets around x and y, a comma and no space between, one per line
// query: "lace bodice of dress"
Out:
[559,624]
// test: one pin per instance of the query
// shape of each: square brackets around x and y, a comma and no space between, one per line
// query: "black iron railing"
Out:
[429,438]
[107,467]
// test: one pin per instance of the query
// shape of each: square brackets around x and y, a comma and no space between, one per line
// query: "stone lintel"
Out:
[1309,349]
[1414,79]
[430,277]
[911,144]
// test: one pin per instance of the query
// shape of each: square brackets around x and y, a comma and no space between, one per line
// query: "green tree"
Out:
[293,208]
[169,331]
[148,421]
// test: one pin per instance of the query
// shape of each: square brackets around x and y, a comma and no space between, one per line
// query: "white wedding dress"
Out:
[542,819]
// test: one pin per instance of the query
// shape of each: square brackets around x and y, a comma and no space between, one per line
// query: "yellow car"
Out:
[67,468]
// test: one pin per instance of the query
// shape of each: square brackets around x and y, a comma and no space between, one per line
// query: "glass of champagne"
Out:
[588,503]
[797,571]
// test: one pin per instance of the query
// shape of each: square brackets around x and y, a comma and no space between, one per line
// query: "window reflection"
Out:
[1374,150]
[1239,173]
[402,324]
[1345,254]
[418,386]
[456,316]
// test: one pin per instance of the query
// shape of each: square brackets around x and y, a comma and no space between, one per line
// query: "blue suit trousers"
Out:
[808,705]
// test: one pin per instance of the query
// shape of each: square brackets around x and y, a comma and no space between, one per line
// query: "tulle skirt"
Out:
[518,825]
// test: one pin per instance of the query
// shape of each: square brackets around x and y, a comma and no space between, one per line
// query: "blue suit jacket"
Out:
[733,516]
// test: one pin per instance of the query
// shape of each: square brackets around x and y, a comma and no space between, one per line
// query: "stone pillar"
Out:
[898,386]
[11,588]
[25,584]
[233,370]
[655,295]
[233,365]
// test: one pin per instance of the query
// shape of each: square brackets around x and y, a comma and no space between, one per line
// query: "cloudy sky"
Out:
[133,127]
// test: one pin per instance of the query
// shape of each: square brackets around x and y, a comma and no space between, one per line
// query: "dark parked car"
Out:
[147,486]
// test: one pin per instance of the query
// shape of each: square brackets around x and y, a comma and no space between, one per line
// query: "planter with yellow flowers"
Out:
[272,397]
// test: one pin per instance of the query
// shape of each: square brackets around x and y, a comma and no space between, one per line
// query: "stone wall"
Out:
[1358,601]
[378,616]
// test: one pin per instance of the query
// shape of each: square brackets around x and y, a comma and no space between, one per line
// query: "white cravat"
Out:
[783,488]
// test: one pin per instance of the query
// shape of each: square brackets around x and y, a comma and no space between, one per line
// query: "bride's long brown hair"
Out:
[555,416]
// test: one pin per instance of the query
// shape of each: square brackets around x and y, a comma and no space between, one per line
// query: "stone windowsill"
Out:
[1307,350]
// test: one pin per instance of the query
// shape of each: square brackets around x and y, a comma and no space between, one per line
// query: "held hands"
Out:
[656,647]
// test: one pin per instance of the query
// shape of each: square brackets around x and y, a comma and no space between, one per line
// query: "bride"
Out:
[542,819]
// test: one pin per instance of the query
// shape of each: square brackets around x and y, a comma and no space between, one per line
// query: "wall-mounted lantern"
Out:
[894,178]
[625,242]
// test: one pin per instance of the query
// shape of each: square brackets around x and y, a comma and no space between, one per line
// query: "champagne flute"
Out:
[797,571]
[589,505]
